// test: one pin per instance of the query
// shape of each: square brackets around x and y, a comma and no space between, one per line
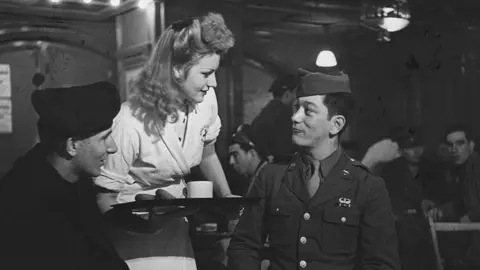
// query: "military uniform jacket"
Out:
[347,224]
[49,223]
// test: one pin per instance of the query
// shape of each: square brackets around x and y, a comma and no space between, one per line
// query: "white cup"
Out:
[200,189]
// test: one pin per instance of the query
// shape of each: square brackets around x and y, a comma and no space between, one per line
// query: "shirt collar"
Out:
[327,164]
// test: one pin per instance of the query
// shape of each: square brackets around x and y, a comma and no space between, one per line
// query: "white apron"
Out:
[146,162]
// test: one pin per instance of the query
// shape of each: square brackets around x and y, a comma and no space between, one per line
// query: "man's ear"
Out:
[71,146]
[471,145]
[338,123]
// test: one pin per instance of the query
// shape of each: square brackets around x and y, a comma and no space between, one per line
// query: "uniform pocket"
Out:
[280,221]
[340,230]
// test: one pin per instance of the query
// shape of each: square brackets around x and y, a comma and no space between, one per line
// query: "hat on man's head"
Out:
[284,82]
[244,136]
[317,83]
[79,111]
[406,137]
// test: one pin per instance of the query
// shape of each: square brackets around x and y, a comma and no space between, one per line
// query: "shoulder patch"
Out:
[357,163]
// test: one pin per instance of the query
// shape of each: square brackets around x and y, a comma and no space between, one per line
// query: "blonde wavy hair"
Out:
[156,94]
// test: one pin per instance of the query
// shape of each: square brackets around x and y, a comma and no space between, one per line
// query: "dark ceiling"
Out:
[265,16]
[263,20]
[97,10]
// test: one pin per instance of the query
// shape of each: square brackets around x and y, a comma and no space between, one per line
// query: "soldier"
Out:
[323,210]
[244,156]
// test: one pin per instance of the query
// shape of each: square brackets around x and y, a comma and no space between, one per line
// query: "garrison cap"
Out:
[318,83]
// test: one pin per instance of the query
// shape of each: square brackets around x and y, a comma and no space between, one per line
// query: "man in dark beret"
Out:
[50,219]
[408,178]
[323,210]
[273,126]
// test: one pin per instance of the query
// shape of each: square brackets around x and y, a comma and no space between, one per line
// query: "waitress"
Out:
[168,125]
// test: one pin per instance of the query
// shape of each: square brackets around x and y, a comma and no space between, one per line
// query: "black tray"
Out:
[202,202]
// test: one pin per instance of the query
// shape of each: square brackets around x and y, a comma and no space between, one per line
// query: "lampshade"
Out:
[392,24]
[326,58]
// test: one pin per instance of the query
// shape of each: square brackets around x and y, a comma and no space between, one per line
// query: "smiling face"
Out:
[90,154]
[312,124]
[200,78]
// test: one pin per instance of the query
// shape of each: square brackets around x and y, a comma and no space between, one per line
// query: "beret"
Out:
[78,111]
[317,83]
[405,136]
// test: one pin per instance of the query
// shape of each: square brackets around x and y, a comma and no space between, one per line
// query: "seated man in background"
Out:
[50,218]
[244,157]
[247,161]
[458,199]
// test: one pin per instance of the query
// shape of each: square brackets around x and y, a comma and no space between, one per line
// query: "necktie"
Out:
[314,182]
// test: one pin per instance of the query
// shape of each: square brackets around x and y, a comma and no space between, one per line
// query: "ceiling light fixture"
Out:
[114,3]
[391,16]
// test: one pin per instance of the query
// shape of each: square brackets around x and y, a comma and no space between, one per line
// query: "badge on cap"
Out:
[292,166]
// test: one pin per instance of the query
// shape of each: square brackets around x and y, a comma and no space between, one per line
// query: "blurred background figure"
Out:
[272,128]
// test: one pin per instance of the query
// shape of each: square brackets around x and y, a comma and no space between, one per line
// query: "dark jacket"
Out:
[317,233]
[466,201]
[272,130]
[49,223]
[405,189]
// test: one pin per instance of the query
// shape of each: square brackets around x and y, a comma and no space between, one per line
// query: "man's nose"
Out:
[296,117]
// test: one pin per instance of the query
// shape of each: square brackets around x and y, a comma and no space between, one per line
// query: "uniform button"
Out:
[303,240]
[343,219]
[306,216]
[303,264]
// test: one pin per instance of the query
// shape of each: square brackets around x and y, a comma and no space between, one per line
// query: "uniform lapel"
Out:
[294,177]
[336,183]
